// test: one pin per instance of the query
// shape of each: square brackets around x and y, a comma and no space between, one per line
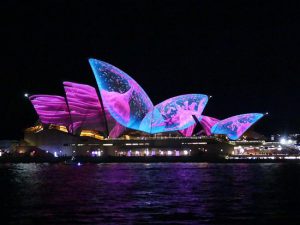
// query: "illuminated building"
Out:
[120,109]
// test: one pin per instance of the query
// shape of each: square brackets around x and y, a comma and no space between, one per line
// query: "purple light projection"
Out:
[86,111]
[85,108]
[206,122]
[116,130]
[123,97]
[188,132]
[52,109]
[236,126]
[175,113]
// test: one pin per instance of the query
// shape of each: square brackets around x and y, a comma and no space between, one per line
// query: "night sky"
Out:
[246,54]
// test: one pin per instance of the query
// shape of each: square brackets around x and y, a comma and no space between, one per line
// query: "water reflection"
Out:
[168,193]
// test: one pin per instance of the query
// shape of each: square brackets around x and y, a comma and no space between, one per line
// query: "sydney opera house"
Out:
[118,114]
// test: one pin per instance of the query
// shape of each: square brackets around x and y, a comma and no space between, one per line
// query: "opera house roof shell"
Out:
[120,103]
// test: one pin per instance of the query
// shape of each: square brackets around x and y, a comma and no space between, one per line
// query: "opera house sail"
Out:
[118,105]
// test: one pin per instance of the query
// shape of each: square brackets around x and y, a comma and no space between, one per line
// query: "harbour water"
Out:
[155,193]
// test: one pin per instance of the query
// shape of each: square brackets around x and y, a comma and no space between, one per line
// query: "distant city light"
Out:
[283,141]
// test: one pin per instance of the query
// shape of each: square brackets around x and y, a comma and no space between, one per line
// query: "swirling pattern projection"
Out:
[175,113]
[123,97]
[206,122]
[236,126]
[52,109]
[85,108]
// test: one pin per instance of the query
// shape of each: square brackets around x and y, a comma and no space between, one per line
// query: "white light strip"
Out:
[108,144]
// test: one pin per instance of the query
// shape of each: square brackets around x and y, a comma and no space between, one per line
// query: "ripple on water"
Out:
[158,193]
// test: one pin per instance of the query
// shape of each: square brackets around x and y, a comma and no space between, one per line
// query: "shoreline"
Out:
[162,159]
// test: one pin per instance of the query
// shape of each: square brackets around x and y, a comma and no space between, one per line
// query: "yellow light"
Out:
[91,133]
[34,129]
[63,129]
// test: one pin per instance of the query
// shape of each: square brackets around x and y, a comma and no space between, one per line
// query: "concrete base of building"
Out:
[63,144]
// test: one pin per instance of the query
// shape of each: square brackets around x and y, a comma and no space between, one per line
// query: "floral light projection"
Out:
[235,126]
[124,98]
[175,113]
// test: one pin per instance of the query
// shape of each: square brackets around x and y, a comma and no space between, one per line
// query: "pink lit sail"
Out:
[52,109]
[234,127]
[175,113]
[130,106]
[86,111]
[123,97]
[206,122]
[117,130]
[188,132]
[84,105]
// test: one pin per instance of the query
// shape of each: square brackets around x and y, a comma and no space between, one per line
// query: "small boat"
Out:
[72,162]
